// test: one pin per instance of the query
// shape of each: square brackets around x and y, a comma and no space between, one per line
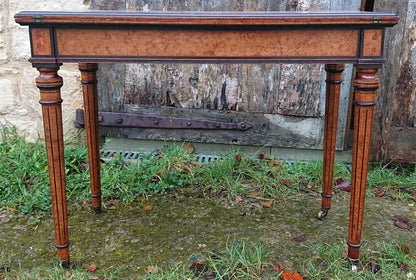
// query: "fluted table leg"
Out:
[333,88]
[365,84]
[89,88]
[49,84]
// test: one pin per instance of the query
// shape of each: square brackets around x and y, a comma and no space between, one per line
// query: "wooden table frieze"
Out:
[88,38]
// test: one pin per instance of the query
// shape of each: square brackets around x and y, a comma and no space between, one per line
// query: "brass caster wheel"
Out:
[354,266]
[65,263]
[322,214]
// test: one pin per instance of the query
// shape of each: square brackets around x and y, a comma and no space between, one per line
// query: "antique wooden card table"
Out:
[88,38]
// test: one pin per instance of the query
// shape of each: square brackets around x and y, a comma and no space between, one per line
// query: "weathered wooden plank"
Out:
[402,134]
[405,102]
[206,5]
[110,77]
[292,98]
[299,90]
[402,146]
[110,87]
[383,112]
[107,4]
[268,130]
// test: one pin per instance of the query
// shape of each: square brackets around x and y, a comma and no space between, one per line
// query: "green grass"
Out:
[390,261]
[10,269]
[249,260]
[24,189]
[24,183]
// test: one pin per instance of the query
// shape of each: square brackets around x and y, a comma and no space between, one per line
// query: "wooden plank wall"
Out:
[287,108]
[394,130]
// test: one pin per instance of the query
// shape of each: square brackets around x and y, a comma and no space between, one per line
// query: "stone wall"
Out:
[18,93]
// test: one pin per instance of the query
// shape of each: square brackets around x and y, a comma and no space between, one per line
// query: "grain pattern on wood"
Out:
[206,44]
[298,93]
[110,76]
[405,101]
[383,111]
[206,5]
[402,146]
[249,88]
[333,89]
[402,140]
[365,84]
[269,129]
[49,84]
[89,88]
[41,41]
[372,42]
[111,87]
[256,88]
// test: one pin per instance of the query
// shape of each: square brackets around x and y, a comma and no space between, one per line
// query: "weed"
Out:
[24,183]
[328,261]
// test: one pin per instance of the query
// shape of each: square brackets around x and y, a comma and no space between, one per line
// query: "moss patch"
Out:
[126,238]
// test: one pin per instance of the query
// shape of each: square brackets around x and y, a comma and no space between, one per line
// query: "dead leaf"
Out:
[256,195]
[210,276]
[84,166]
[154,179]
[270,174]
[238,198]
[403,225]
[287,182]
[150,269]
[29,182]
[414,196]
[404,268]
[375,268]
[148,208]
[278,267]
[237,157]
[380,193]
[338,181]
[198,267]
[188,147]
[273,162]
[400,218]
[343,186]
[260,156]
[68,273]
[92,267]
[267,204]
[290,275]
[404,248]
[300,238]
[160,153]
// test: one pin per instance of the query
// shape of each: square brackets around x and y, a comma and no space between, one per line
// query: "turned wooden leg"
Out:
[365,84]
[89,88]
[333,88]
[49,84]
